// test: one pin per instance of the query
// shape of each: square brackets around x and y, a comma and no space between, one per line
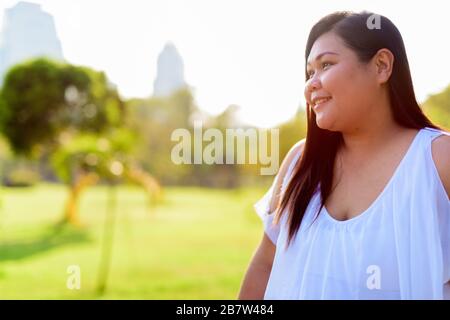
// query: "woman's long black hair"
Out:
[317,161]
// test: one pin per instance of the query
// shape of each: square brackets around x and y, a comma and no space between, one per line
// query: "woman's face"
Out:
[348,87]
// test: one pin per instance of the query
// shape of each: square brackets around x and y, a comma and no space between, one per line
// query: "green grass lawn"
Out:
[195,245]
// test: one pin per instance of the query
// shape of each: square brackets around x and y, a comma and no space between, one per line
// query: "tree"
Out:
[84,159]
[67,111]
[41,100]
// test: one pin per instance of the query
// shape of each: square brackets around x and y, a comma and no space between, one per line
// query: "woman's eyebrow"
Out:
[321,54]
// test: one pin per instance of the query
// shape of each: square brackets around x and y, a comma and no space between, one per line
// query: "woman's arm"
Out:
[255,280]
[441,156]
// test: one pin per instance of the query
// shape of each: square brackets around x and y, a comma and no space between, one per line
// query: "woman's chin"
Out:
[323,122]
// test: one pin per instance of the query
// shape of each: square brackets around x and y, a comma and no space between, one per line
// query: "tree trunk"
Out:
[82,182]
[148,182]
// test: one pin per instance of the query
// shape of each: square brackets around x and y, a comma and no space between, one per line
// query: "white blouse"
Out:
[399,248]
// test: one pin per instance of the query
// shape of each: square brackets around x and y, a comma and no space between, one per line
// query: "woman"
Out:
[360,209]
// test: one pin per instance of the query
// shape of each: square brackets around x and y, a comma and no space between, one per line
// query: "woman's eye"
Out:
[324,65]
[310,73]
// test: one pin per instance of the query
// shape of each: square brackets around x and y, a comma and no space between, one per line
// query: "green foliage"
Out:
[106,155]
[292,131]
[153,121]
[41,98]
[31,95]
[437,107]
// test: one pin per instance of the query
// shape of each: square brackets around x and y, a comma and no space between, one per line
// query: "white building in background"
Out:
[27,32]
[170,72]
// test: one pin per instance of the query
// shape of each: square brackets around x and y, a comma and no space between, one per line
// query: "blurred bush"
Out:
[21,177]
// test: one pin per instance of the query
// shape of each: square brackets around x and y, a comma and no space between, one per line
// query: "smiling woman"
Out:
[362,206]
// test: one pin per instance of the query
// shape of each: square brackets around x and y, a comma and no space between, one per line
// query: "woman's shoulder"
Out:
[286,165]
[296,149]
[292,154]
[440,149]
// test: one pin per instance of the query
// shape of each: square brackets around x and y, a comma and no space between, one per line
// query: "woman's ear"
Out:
[384,62]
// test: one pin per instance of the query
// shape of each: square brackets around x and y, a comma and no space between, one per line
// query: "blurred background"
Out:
[91,205]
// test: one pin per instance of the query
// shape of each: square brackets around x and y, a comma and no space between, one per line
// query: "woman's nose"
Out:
[312,85]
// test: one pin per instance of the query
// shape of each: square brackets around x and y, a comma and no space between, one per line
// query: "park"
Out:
[111,196]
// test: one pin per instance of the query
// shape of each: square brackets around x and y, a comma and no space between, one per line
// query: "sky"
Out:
[243,52]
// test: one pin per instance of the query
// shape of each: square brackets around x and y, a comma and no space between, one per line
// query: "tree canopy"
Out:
[40,99]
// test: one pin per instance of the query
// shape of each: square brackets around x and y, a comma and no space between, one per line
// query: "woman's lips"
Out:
[320,103]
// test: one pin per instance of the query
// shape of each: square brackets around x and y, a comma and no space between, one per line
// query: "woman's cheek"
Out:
[332,79]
